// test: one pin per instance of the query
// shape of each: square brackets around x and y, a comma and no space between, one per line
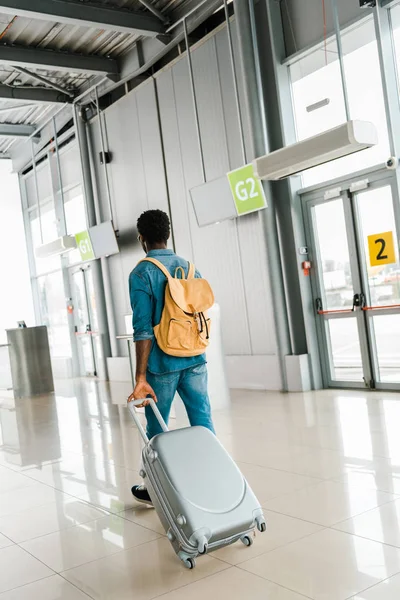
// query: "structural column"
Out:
[101,276]
[249,60]
[282,132]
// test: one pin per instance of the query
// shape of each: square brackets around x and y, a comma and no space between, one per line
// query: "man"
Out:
[159,375]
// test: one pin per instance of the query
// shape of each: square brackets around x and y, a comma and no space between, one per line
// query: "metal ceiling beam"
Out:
[89,14]
[196,11]
[389,3]
[33,94]
[16,130]
[16,107]
[154,10]
[44,80]
[38,58]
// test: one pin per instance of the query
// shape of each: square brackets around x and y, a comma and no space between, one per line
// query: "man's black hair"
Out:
[154,226]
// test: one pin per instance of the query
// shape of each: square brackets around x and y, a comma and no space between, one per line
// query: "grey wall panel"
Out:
[100,191]
[215,247]
[129,196]
[254,271]
[126,171]
[230,113]
[174,165]
[119,284]
[99,182]
[257,285]
[211,115]
[136,178]
[240,78]
[232,254]
[151,149]
[304,23]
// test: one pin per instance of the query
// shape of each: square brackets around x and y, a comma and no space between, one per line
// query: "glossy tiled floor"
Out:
[325,466]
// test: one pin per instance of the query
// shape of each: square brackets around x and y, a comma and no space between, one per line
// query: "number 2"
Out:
[253,193]
[380,255]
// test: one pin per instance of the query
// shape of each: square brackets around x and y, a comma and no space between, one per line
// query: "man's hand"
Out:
[142,390]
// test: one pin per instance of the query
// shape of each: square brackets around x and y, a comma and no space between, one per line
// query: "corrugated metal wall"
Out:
[232,254]
[136,179]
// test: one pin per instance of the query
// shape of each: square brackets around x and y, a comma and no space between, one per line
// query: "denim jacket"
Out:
[147,290]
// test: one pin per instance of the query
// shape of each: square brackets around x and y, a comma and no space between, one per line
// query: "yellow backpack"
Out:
[184,329]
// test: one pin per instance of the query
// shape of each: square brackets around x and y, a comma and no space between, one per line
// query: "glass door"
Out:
[336,286]
[379,253]
[85,318]
[355,278]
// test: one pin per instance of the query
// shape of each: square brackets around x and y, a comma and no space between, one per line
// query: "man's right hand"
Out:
[142,390]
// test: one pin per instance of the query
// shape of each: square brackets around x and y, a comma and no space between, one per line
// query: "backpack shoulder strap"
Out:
[158,264]
[192,271]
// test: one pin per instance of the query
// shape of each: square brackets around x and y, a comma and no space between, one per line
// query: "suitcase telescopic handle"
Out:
[132,409]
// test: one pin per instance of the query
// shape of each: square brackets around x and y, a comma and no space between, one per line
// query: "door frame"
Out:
[83,269]
[320,194]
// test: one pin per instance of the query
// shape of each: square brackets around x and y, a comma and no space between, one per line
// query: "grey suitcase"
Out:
[199,493]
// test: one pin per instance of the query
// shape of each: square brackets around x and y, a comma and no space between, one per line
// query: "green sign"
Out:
[247,190]
[85,245]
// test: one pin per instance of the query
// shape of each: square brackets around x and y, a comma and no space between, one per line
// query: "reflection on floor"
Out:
[326,467]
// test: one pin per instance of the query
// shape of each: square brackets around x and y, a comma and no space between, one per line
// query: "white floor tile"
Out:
[41,520]
[235,585]
[144,516]
[10,480]
[81,475]
[387,590]
[51,588]
[141,573]
[89,541]
[381,524]
[17,568]
[270,483]
[12,503]
[5,541]
[321,459]
[378,474]
[281,530]
[328,503]
[329,565]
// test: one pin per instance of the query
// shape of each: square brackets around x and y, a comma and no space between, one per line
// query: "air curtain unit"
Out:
[346,139]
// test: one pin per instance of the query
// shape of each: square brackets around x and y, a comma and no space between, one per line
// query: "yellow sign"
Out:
[381,249]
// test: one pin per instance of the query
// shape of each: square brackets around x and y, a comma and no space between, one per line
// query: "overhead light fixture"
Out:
[351,137]
[61,245]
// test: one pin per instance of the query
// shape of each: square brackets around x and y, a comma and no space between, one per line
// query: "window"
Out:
[45,226]
[75,218]
[395,18]
[314,81]
[54,313]
[75,214]
[16,298]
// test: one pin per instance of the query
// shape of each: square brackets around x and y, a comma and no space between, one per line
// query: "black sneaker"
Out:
[141,494]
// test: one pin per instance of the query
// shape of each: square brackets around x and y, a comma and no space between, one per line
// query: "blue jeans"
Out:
[191,385]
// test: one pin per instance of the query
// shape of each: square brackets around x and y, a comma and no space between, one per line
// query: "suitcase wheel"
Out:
[262,526]
[189,563]
[202,546]
[247,540]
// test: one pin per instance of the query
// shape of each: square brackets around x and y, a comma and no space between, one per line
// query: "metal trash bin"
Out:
[30,361]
